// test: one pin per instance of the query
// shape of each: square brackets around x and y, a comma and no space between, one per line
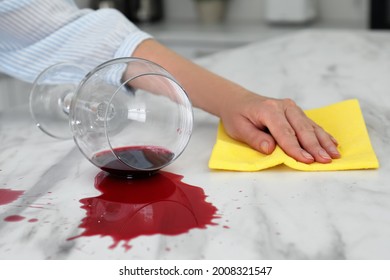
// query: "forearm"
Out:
[206,90]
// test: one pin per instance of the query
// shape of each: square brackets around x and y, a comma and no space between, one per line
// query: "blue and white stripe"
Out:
[35,34]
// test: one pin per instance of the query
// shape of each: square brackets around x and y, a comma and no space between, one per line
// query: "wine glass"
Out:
[128,116]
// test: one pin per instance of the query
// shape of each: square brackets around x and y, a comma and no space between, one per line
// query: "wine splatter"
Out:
[14,218]
[7,196]
[160,204]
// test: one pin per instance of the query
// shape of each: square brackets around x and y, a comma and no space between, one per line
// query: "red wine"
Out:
[8,196]
[160,204]
[141,161]
[14,218]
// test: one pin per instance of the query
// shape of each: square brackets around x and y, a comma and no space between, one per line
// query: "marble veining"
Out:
[272,214]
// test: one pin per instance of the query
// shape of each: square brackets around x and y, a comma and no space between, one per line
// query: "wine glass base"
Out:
[50,98]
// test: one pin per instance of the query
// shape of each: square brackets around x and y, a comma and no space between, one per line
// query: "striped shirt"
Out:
[35,34]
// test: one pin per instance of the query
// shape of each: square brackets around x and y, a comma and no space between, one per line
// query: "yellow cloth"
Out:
[342,120]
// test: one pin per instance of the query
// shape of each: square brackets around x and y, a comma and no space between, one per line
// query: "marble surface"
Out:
[273,214]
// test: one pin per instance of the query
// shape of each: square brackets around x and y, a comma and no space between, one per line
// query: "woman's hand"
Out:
[264,122]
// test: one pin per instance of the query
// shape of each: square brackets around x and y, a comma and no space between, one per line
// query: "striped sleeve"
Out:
[35,34]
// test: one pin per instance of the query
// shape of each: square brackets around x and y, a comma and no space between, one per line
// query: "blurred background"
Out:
[195,28]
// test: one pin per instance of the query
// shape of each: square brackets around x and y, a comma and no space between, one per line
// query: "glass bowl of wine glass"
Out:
[128,116]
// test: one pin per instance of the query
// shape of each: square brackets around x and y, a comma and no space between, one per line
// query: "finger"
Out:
[327,142]
[309,141]
[285,136]
[256,138]
[312,137]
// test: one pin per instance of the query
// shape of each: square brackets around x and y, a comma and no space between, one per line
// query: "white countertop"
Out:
[194,39]
[278,213]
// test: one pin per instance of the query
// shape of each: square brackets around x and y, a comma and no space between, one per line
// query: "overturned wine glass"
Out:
[128,116]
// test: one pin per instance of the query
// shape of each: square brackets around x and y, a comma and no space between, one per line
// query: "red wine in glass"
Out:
[133,161]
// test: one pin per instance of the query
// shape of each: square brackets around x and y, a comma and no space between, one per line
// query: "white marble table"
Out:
[273,214]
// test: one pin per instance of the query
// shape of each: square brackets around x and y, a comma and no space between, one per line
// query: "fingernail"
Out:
[324,154]
[265,147]
[307,155]
[334,151]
